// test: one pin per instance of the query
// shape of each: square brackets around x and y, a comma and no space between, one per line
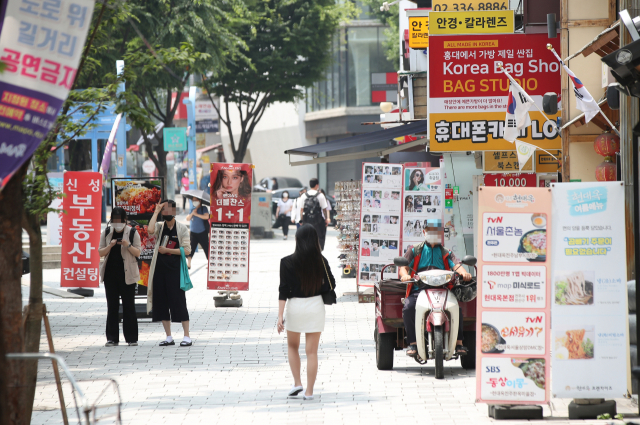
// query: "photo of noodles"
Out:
[535,242]
[575,288]
[491,340]
[574,344]
[532,369]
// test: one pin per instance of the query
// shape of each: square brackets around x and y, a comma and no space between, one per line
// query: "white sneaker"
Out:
[307,397]
[294,391]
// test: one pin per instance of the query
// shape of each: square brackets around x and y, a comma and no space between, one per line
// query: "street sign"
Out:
[207,126]
[418,32]
[175,139]
[546,163]
[504,161]
[148,166]
[480,22]
[511,180]
[462,6]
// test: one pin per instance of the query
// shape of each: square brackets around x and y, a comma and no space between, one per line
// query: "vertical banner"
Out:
[230,218]
[514,267]
[54,219]
[40,44]
[422,199]
[81,229]
[381,215]
[590,312]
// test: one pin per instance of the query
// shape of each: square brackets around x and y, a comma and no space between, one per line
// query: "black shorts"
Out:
[169,301]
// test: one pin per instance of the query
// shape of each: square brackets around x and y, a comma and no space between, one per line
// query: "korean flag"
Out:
[517,111]
[584,100]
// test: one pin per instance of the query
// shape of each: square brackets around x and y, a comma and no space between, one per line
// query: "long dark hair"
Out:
[244,190]
[413,174]
[307,259]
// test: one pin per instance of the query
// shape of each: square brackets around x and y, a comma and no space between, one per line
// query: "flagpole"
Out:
[613,127]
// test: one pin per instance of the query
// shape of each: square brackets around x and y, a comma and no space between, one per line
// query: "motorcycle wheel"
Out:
[438,346]
[385,344]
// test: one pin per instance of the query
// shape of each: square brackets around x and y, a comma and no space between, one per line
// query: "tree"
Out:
[288,45]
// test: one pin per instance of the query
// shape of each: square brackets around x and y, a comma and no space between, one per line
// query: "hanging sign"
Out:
[511,180]
[81,229]
[418,32]
[40,45]
[380,221]
[590,311]
[504,162]
[474,22]
[230,224]
[175,139]
[546,163]
[514,266]
[462,6]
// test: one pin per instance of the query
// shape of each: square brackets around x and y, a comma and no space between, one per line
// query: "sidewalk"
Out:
[237,368]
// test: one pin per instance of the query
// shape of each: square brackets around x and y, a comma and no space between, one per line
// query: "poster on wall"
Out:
[138,197]
[514,268]
[54,219]
[81,229]
[230,216]
[381,215]
[422,199]
[589,307]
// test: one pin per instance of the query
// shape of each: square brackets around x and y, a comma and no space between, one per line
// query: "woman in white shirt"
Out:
[285,206]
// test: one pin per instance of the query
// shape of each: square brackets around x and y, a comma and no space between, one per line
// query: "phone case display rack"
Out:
[347,195]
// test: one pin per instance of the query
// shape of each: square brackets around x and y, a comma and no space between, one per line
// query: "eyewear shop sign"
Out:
[513,296]
[230,215]
[479,22]
[590,322]
[469,92]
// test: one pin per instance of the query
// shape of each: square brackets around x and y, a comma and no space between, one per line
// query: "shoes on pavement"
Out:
[133,344]
[294,391]
[111,344]
[307,397]
[165,343]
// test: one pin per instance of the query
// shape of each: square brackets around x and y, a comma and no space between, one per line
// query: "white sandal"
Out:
[294,391]
[307,397]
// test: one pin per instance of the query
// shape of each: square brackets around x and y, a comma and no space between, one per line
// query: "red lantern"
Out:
[607,144]
[606,171]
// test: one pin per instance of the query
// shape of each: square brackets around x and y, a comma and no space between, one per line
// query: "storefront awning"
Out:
[362,140]
[603,44]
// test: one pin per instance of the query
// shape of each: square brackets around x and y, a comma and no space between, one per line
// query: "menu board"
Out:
[590,319]
[381,215]
[230,235]
[422,199]
[513,295]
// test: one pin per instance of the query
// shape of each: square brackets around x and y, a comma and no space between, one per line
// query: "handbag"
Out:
[329,297]
[185,280]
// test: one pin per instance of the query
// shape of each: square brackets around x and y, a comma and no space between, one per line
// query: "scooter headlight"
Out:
[441,280]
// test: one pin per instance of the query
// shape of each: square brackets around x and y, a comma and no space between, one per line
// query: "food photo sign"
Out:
[590,320]
[230,228]
[513,295]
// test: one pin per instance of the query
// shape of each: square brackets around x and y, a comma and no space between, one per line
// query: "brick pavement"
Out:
[237,368]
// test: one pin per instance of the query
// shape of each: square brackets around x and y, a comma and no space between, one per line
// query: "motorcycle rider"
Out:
[428,255]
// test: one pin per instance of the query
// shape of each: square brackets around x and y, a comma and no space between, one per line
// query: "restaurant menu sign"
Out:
[589,306]
[381,215]
[40,44]
[230,216]
[81,229]
[513,295]
[423,199]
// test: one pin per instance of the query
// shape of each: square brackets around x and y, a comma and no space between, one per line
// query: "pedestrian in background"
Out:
[326,213]
[199,231]
[120,245]
[165,299]
[314,205]
[304,277]
[283,213]
[297,206]
[184,183]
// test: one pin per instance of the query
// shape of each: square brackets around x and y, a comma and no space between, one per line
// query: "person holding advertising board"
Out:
[428,255]
[120,246]
[165,299]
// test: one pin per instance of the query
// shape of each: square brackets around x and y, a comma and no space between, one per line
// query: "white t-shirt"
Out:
[321,199]
[285,206]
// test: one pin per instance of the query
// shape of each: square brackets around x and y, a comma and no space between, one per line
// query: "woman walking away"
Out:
[120,245]
[304,277]
[199,231]
[283,213]
[185,186]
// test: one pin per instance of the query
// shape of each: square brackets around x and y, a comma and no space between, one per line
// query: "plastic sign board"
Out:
[230,227]
[469,92]
[504,162]
[590,313]
[514,267]
[418,32]
[511,180]
[546,163]
[465,6]
[175,139]
[481,22]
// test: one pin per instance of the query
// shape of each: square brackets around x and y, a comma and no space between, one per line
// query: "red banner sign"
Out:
[511,180]
[81,229]
[230,235]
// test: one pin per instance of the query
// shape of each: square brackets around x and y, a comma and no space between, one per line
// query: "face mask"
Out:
[167,217]
[196,204]
[285,197]
[118,226]
[433,237]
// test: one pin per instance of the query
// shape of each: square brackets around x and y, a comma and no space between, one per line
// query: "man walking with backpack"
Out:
[313,203]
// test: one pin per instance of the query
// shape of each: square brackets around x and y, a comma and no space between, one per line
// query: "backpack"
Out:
[312,213]
[132,234]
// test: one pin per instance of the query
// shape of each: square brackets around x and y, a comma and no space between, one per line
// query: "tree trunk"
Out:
[4,391]
[33,324]
[11,295]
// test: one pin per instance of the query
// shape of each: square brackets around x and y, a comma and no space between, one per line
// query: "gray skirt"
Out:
[304,315]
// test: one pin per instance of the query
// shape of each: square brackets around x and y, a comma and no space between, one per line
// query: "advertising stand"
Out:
[514,268]
[422,199]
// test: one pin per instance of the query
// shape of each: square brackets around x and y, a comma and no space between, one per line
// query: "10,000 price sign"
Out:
[465,6]
[511,180]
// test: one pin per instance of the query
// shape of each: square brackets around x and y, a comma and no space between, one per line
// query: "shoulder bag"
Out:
[329,297]
[185,280]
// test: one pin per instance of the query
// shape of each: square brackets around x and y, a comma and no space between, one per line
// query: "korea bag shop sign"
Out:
[230,218]
[590,319]
[40,43]
[81,229]
[514,267]
[469,92]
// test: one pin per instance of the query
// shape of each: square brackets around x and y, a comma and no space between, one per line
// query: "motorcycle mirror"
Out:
[469,260]
[401,262]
